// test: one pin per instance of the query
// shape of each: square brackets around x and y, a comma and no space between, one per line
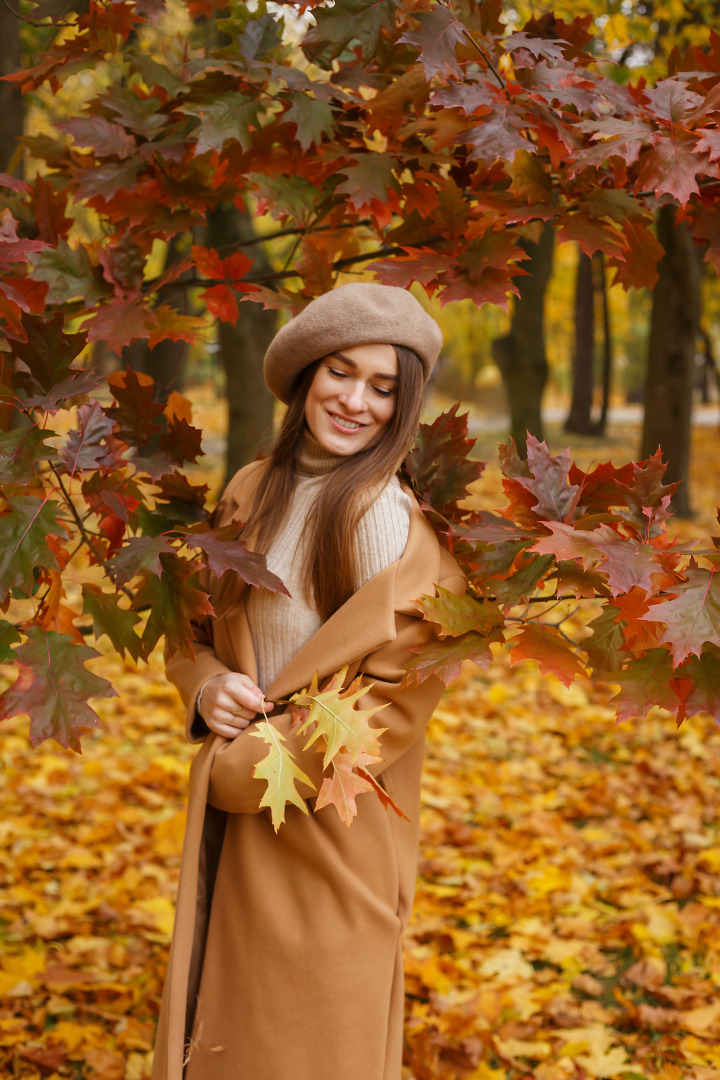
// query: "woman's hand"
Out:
[230,702]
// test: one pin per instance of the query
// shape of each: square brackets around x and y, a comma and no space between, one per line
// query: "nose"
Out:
[353,395]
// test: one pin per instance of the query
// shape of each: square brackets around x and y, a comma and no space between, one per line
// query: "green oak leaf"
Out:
[116,623]
[8,637]
[352,20]
[646,682]
[456,615]
[20,451]
[312,118]
[173,604]
[444,659]
[138,555]
[54,687]
[604,646]
[226,118]
[24,530]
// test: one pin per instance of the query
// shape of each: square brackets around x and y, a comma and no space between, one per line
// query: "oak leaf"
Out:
[692,618]
[645,683]
[20,451]
[24,532]
[281,773]
[546,645]
[331,715]
[53,687]
[341,788]
[456,615]
[46,379]
[225,550]
[444,659]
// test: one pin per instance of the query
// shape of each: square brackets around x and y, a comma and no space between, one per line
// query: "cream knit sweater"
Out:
[280,625]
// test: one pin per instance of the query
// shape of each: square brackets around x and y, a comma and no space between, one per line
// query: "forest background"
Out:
[546,179]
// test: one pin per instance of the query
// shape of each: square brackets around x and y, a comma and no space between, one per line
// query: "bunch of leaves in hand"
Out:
[568,538]
[342,732]
[104,513]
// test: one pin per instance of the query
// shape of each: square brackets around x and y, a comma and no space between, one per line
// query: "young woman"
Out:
[286,960]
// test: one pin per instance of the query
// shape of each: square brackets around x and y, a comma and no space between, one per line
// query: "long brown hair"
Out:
[345,494]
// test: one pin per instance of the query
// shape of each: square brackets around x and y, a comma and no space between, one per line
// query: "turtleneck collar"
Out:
[313,459]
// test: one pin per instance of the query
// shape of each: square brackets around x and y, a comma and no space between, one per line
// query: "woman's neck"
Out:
[313,459]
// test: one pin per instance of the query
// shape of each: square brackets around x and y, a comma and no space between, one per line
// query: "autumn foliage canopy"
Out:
[418,142]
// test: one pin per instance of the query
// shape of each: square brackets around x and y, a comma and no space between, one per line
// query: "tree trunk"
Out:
[521,354]
[579,418]
[671,355]
[607,346]
[11,103]
[167,362]
[242,348]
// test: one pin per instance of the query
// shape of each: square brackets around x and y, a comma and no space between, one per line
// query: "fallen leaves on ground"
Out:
[567,921]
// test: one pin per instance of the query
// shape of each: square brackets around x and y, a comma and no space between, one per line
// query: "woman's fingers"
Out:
[226,729]
[243,694]
[230,702]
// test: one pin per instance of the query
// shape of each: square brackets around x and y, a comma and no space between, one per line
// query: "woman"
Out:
[286,961]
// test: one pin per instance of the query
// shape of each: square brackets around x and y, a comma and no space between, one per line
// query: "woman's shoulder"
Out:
[239,492]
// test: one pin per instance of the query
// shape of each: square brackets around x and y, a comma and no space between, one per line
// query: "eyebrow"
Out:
[352,364]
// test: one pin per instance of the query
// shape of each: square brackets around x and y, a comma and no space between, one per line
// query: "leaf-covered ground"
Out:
[567,922]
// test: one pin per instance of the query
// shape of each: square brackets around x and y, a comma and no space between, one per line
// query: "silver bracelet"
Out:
[198,699]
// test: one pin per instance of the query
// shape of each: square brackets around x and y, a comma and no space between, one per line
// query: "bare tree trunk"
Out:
[671,355]
[579,418]
[11,103]
[242,348]
[521,354]
[607,345]
[167,362]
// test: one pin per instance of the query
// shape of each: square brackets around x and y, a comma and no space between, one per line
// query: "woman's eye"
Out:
[338,374]
[382,392]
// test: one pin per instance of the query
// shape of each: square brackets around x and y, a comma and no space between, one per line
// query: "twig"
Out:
[32,22]
[83,531]
[481,52]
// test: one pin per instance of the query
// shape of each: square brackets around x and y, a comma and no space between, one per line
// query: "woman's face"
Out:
[352,397]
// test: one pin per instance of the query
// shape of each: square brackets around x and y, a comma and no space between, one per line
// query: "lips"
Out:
[344,423]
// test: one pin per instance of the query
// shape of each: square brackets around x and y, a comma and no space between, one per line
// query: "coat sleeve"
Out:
[406,712]
[189,675]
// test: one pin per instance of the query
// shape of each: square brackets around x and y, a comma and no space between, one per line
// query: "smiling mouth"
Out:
[350,425]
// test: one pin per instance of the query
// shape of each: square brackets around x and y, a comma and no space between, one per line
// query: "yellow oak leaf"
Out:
[332,714]
[281,772]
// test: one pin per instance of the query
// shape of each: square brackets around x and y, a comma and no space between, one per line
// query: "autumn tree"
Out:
[417,144]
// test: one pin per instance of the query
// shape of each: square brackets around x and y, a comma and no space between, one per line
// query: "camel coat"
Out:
[285,962]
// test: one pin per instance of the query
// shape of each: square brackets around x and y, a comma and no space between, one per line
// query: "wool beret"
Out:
[360,313]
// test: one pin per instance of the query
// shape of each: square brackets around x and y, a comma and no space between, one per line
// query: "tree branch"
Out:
[281,275]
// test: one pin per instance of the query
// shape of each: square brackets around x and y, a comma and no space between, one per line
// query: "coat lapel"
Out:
[364,623]
[367,621]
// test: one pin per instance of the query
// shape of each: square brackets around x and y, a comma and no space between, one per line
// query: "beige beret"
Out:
[361,313]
